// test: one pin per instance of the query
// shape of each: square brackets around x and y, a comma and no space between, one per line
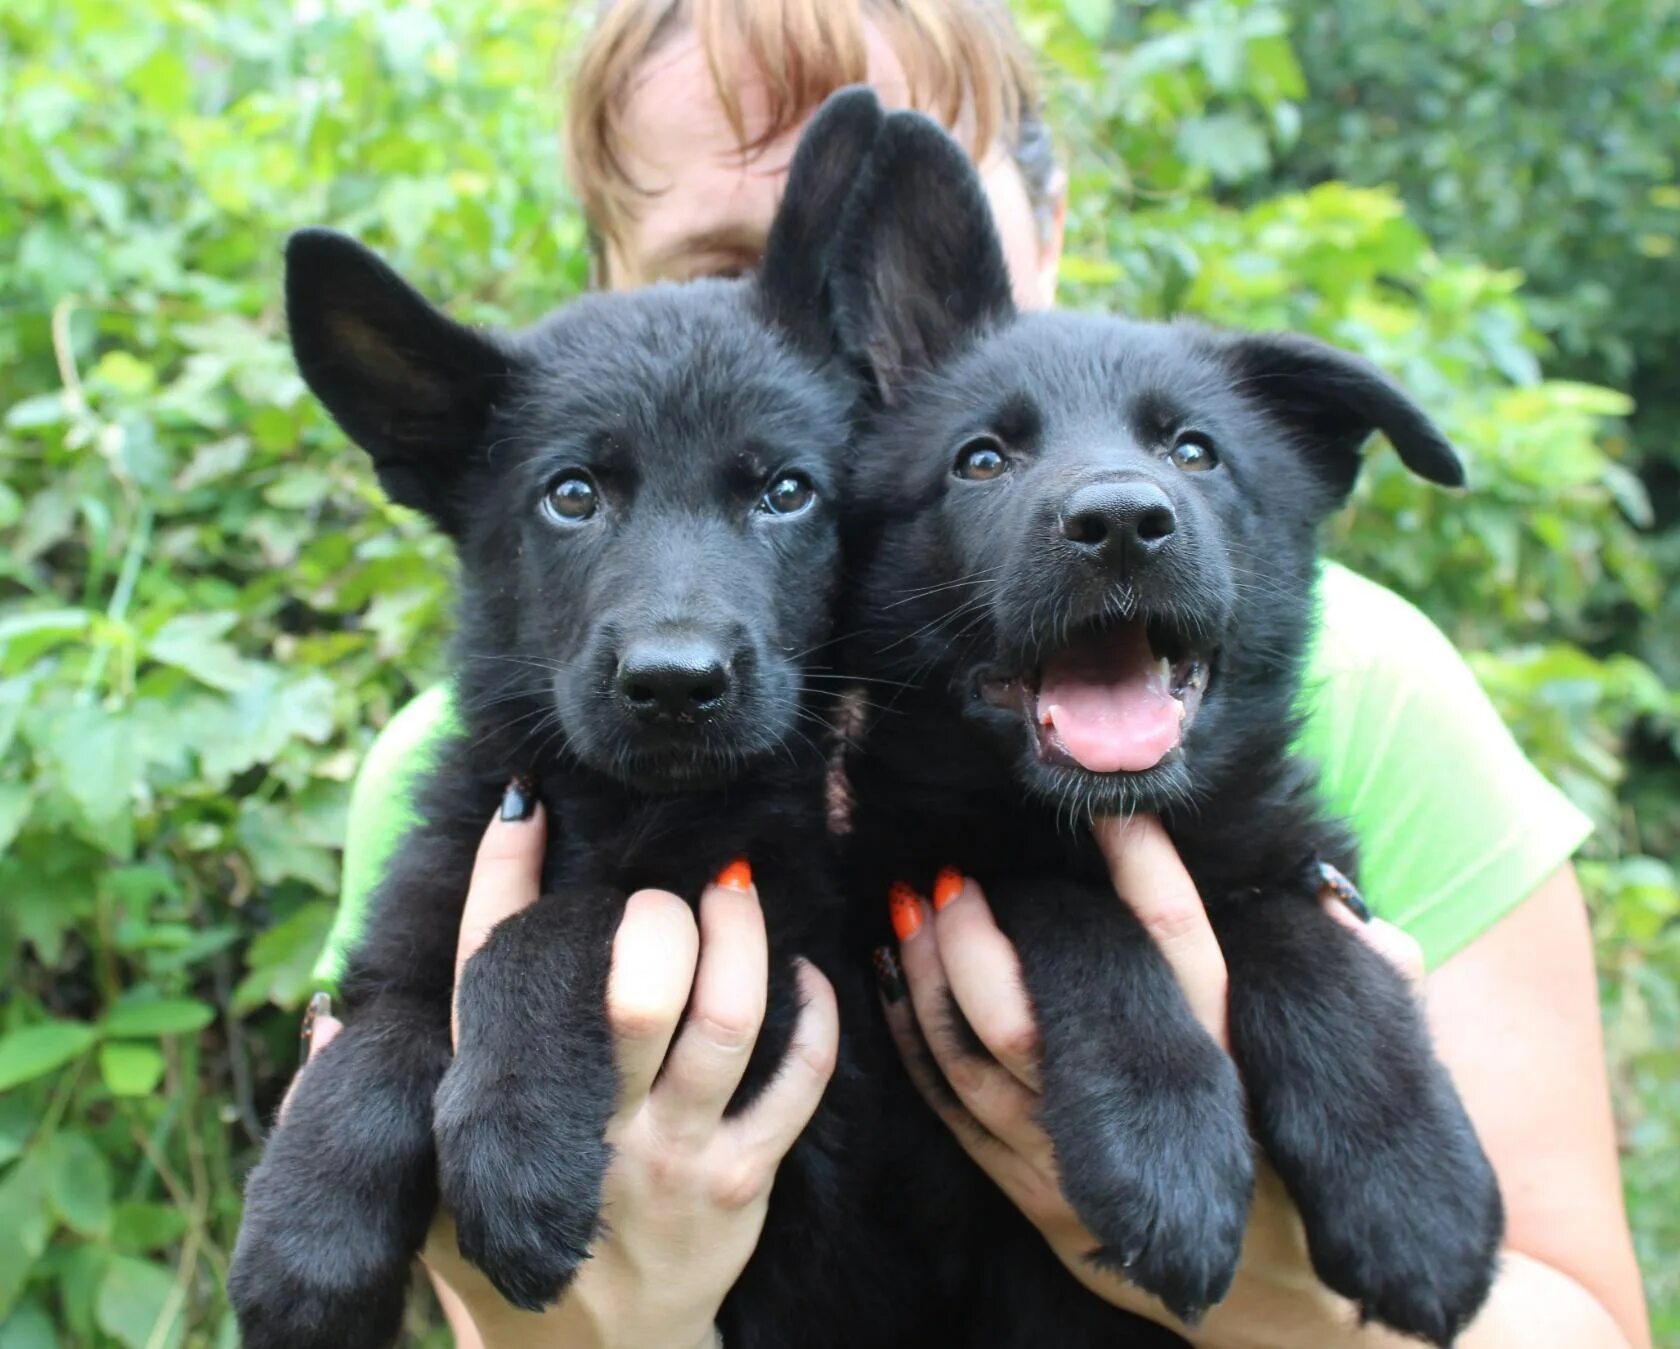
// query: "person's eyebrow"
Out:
[739,240]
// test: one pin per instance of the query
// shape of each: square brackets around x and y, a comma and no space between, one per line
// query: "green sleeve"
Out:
[1455,826]
[381,808]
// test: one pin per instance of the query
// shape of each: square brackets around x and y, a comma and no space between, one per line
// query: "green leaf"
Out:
[1228,145]
[277,850]
[130,1069]
[14,697]
[124,373]
[18,1119]
[15,801]
[191,642]
[32,634]
[97,761]
[133,1298]
[28,1327]
[263,719]
[163,82]
[79,1183]
[36,1051]
[137,1228]
[161,1016]
[80,1274]
[44,409]
[25,1224]
[1093,18]
[283,960]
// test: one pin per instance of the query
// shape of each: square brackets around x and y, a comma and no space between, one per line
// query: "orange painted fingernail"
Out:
[947,885]
[736,876]
[906,907]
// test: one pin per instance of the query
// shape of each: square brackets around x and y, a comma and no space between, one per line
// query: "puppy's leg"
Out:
[1401,1208]
[522,1112]
[1144,1110]
[339,1207]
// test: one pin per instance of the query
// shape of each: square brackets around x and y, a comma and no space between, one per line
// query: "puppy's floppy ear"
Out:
[919,271]
[793,277]
[1333,401]
[409,385]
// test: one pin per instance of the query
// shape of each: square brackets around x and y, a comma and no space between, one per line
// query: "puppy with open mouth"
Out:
[1084,574]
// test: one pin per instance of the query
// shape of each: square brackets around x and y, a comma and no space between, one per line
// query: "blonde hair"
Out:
[964,61]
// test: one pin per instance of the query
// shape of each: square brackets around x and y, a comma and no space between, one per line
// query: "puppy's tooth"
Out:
[1047,717]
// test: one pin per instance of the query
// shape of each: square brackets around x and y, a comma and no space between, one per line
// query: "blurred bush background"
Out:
[206,611]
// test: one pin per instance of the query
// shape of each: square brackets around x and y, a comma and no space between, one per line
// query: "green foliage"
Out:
[206,610]
[1539,136]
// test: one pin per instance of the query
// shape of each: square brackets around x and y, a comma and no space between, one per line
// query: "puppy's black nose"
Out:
[1116,521]
[673,679]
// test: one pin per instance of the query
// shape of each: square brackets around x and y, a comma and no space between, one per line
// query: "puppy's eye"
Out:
[571,499]
[790,494]
[1194,453]
[981,460]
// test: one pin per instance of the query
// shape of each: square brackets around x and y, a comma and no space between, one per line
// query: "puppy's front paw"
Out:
[523,1179]
[315,1271]
[1409,1226]
[1163,1179]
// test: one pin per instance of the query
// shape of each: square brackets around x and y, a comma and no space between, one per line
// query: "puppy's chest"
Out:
[681,845]
[1236,851]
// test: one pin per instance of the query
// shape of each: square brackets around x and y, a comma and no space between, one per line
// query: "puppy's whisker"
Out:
[926,591]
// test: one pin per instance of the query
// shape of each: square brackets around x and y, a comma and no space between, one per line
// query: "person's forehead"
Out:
[681,147]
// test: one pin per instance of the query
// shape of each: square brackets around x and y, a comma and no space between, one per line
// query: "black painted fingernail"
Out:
[319,1005]
[889,974]
[519,801]
[1334,885]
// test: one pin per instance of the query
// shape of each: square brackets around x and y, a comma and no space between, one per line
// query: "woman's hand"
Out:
[954,944]
[687,1191]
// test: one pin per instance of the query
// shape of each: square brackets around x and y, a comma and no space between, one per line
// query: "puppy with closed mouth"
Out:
[643,490]
[1084,575]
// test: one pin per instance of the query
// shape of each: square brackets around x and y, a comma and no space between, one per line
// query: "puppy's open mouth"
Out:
[1117,698]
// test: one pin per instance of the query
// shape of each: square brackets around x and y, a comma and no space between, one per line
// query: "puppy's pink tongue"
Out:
[1107,702]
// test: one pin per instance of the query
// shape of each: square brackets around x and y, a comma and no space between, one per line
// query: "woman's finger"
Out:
[985,977]
[989,1092]
[320,1027]
[1027,1176]
[1395,945]
[506,876]
[654,954]
[767,1129]
[710,1055]
[1341,899]
[919,1061]
[327,1027]
[1149,876]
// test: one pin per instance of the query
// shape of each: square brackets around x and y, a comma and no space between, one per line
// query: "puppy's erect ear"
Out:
[409,385]
[1333,401]
[919,271]
[793,278]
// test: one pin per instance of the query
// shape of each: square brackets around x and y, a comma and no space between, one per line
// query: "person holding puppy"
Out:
[682,120]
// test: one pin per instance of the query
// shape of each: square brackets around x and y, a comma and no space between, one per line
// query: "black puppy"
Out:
[1089,556]
[643,491]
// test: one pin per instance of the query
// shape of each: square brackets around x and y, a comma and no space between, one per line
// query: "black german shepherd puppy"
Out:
[1089,553]
[643,491]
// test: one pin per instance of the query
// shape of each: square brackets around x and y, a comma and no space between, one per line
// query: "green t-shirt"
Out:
[1455,826]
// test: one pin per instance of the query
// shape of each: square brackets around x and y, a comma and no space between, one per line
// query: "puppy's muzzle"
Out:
[1120,527]
[675,679]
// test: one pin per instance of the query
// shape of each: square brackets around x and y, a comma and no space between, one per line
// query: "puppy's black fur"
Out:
[1036,491]
[643,491]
